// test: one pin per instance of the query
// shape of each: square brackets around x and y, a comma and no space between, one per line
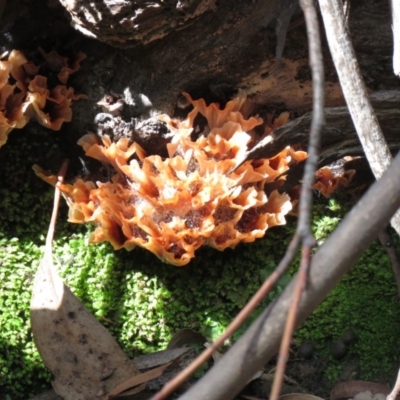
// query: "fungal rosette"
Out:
[197,196]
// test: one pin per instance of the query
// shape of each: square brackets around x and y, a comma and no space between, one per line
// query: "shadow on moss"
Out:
[365,303]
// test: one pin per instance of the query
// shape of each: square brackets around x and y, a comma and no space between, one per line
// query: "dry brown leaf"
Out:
[186,337]
[137,380]
[153,360]
[83,357]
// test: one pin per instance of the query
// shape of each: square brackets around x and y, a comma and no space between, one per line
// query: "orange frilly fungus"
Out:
[326,181]
[64,65]
[12,96]
[273,123]
[57,102]
[28,96]
[194,197]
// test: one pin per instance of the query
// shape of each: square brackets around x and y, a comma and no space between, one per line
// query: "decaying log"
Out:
[339,138]
[129,23]
[227,48]
[281,82]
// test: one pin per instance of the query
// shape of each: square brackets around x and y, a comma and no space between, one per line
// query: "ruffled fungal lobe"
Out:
[24,94]
[327,181]
[199,195]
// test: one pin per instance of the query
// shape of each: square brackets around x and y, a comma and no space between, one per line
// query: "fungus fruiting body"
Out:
[199,195]
[196,196]
[24,95]
[327,181]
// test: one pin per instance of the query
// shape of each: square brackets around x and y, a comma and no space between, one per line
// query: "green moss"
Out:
[20,364]
[365,302]
[24,197]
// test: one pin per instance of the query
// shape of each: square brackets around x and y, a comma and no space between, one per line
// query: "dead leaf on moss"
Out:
[85,360]
[136,380]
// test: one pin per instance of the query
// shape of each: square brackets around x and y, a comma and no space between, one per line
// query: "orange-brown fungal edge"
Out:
[175,205]
[27,95]
[12,94]
[327,181]
[63,65]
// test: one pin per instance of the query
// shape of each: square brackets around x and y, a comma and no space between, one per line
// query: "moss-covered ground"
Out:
[364,303]
[143,302]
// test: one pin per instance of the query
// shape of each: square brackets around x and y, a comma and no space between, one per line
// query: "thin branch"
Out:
[305,206]
[267,286]
[283,356]
[57,195]
[396,35]
[355,92]
[317,122]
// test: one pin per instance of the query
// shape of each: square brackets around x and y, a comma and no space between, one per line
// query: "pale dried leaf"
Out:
[83,357]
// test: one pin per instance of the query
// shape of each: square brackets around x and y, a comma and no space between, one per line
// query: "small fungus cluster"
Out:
[24,94]
[327,181]
[198,195]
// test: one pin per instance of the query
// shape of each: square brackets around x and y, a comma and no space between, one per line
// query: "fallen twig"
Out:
[57,196]
[305,206]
